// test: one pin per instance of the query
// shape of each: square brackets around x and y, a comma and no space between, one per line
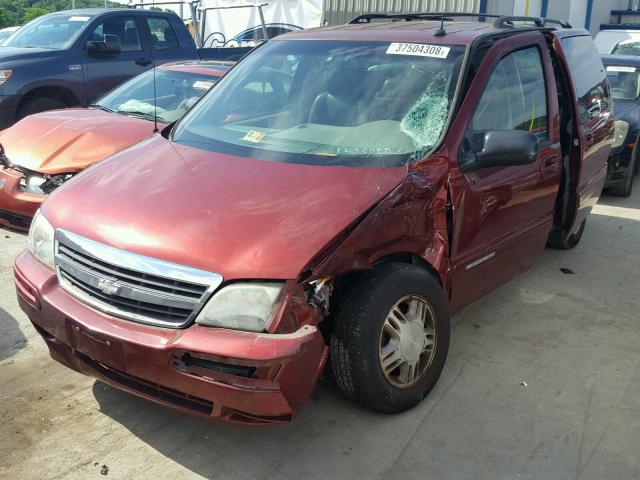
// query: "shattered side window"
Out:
[330,103]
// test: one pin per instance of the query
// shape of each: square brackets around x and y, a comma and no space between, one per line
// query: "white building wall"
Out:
[578,13]
[527,7]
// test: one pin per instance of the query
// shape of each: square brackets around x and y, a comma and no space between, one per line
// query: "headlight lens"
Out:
[33,184]
[37,184]
[241,306]
[41,240]
[620,133]
[5,75]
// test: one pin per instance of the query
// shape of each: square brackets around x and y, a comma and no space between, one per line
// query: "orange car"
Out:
[41,152]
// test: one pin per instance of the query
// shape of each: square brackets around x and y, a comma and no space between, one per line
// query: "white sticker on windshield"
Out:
[78,19]
[418,49]
[620,68]
[202,85]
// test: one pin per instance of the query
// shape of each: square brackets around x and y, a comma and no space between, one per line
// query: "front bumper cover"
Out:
[242,377]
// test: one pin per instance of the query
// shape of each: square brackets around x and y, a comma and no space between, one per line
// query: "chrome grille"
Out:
[131,286]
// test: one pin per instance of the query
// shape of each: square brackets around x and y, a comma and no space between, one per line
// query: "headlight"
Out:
[5,75]
[619,133]
[33,183]
[241,306]
[41,240]
[38,184]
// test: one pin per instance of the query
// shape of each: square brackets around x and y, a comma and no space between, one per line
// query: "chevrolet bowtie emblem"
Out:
[108,286]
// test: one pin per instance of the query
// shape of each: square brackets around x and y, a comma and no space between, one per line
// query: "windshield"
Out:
[176,91]
[627,47]
[50,31]
[329,102]
[624,82]
[4,35]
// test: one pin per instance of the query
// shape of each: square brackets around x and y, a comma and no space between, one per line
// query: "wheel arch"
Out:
[57,92]
[410,258]
[340,282]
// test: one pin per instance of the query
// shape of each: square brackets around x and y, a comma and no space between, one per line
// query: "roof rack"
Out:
[448,16]
[502,21]
[506,21]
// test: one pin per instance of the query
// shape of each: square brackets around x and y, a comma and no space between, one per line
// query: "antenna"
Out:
[441,32]
[155,94]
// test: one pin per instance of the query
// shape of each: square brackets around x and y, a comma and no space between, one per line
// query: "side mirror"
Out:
[110,45]
[502,148]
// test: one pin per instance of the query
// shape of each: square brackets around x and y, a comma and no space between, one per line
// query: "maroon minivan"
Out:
[335,196]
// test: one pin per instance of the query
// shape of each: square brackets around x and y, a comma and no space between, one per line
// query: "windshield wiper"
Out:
[97,106]
[136,113]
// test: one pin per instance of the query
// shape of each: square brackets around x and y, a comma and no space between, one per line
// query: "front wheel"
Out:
[390,337]
[31,106]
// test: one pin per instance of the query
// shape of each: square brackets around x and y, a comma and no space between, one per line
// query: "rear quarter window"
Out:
[163,35]
[589,76]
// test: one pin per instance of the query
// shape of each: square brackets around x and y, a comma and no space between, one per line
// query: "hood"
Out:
[67,141]
[241,217]
[12,54]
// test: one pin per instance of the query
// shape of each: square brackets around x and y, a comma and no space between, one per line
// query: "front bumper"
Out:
[241,377]
[17,208]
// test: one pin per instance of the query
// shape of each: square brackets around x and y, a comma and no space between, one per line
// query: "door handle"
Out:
[143,62]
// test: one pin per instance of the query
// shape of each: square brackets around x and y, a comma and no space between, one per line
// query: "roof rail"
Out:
[448,16]
[506,21]
[562,23]
[502,21]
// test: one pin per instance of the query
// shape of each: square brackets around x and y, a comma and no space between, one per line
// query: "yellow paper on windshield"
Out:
[253,136]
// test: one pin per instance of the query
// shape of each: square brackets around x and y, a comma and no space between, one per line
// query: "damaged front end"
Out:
[22,191]
[246,377]
[409,225]
[33,182]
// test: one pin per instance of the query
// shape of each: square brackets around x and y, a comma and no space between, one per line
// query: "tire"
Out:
[34,105]
[359,337]
[625,189]
[558,239]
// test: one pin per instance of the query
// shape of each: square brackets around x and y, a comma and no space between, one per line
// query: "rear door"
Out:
[105,72]
[503,214]
[595,120]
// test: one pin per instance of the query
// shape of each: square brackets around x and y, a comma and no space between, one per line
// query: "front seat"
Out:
[339,104]
[131,39]
[170,38]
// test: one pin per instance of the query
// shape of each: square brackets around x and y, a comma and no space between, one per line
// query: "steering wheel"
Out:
[187,103]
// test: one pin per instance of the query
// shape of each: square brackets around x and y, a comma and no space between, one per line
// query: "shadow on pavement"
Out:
[11,338]
[217,450]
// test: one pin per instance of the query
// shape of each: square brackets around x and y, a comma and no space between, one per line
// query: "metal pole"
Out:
[265,35]
[73,4]
[194,23]
[203,22]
